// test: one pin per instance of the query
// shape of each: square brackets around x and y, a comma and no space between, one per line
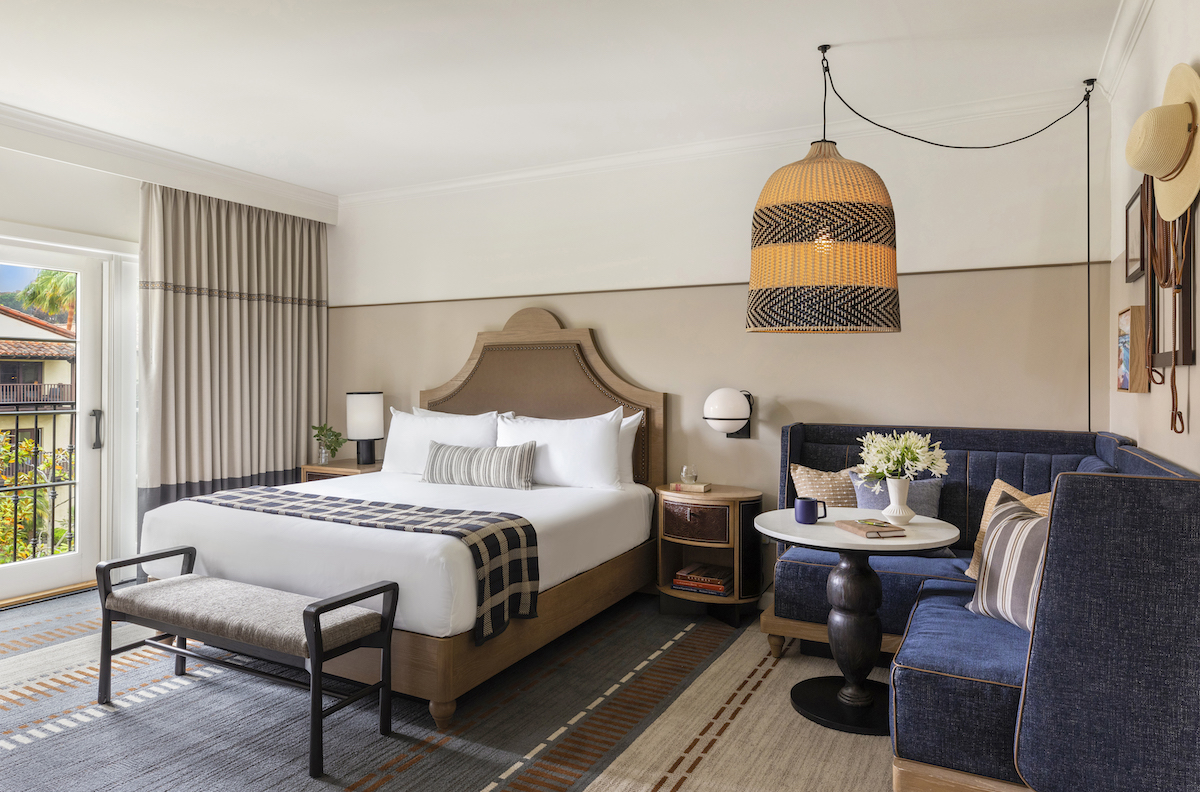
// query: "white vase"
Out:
[897,512]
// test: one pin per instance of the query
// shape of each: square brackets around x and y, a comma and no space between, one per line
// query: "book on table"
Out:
[701,588]
[871,529]
[705,573]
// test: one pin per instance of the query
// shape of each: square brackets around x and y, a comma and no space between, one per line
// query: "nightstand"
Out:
[337,468]
[714,527]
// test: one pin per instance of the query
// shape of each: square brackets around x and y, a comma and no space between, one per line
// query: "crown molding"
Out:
[1122,39]
[129,158]
[1043,102]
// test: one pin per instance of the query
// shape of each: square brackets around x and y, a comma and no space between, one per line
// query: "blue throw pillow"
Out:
[923,498]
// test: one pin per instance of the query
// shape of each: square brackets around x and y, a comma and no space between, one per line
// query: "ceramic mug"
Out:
[806,510]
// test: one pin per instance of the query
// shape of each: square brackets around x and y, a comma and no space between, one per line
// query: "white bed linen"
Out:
[577,529]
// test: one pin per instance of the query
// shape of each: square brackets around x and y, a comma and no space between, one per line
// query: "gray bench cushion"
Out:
[253,615]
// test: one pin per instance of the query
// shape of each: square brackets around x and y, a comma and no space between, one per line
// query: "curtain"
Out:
[232,345]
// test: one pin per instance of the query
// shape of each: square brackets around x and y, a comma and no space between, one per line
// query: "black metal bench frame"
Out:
[317,654]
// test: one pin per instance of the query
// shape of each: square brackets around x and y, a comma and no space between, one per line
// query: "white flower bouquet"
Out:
[899,456]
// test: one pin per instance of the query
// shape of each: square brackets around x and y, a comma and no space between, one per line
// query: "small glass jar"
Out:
[689,474]
[322,455]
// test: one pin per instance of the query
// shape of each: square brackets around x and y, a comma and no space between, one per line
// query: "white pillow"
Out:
[629,427]
[580,452]
[409,437]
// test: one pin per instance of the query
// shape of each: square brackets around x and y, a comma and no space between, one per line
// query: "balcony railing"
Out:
[37,487]
[36,393]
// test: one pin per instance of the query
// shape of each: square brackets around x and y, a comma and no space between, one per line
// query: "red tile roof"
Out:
[36,350]
[33,320]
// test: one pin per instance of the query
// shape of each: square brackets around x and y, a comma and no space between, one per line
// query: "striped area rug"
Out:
[552,723]
[734,729]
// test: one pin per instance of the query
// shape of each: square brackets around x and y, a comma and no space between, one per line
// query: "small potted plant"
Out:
[328,441]
[898,458]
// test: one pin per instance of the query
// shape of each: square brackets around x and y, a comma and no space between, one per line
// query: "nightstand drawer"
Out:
[314,475]
[696,523]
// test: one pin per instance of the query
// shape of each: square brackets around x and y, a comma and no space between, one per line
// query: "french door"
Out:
[51,419]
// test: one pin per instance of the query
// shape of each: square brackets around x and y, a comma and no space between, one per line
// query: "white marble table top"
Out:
[923,533]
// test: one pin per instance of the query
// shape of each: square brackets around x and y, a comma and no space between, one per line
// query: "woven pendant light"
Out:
[823,249]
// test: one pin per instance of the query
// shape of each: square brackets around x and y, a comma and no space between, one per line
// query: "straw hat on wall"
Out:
[1160,143]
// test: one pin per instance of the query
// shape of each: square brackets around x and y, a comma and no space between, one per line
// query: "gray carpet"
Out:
[551,723]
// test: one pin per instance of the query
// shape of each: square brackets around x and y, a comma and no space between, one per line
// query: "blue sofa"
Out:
[957,678]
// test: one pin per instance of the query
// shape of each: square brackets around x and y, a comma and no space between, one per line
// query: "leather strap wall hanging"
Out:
[1166,251]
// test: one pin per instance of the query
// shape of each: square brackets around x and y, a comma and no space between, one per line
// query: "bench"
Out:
[258,622]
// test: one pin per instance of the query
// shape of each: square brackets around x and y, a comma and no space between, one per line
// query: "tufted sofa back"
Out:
[1026,458]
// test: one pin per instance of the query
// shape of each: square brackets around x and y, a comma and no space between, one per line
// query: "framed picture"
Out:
[1170,315]
[1135,258]
[1132,376]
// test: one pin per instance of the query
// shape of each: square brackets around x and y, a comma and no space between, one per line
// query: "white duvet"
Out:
[577,529]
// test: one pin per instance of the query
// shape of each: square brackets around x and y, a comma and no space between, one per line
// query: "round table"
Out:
[851,702]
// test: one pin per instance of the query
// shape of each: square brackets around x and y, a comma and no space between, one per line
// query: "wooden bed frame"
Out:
[536,368]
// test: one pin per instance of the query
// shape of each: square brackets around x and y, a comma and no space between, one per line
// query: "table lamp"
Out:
[364,422]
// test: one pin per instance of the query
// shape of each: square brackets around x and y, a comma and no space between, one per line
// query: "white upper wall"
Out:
[1162,33]
[43,192]
[688,222]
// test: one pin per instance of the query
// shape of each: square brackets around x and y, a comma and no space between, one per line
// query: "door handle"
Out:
[97,435]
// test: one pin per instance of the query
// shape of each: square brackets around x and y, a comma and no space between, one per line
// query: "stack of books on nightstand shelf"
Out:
[704,579]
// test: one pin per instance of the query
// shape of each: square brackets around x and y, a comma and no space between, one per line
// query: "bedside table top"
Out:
[717,492]
[348,464]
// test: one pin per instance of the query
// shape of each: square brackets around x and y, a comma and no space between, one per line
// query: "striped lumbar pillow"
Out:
[510,467]
[1011,573]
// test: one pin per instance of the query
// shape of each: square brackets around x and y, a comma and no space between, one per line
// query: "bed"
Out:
[594,546]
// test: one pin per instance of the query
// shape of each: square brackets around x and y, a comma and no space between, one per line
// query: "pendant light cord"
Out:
[828,79]
[1089,85]
[824,92]
[1087,99]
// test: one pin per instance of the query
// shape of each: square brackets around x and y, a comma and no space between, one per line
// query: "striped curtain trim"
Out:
[1013,553]
[200,291]
[508,467]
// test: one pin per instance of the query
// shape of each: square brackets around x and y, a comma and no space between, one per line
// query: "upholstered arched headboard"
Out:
[535,367]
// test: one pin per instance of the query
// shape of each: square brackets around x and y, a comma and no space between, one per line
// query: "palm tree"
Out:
[52,291]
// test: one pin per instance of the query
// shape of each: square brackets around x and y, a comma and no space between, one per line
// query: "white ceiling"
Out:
[362,95]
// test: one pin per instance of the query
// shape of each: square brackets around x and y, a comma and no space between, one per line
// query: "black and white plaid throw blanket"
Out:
[504,546]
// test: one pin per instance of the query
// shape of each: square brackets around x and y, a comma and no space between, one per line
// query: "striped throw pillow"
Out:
[836,489]
[1038,503]
[1011,573]
[510,467]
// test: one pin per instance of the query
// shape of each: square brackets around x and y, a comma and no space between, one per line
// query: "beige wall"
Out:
[1171,35]
[56,371]
[1001,348]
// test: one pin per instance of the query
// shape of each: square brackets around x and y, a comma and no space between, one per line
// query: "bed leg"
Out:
[442,712]
[776,643]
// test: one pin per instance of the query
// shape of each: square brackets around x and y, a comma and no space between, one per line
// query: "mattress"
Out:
[577,530]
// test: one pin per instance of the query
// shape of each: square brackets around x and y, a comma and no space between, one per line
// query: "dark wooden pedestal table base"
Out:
[851,702]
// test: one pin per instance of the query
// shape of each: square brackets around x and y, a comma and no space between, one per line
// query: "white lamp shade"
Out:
[364,416]
[727,410]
